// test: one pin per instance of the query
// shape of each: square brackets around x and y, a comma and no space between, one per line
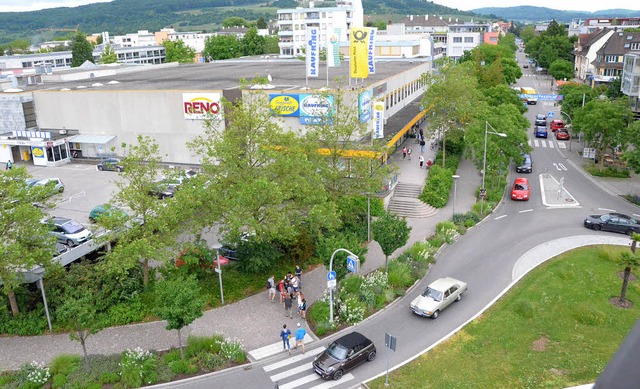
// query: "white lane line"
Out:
[543,144]
[300,381]
[295,359]
[635,214]
[290,372]
[535,143]
[562,145]
[529,142]
[499,217]
[525,211]
[606,209]
[551,144]
[331,384]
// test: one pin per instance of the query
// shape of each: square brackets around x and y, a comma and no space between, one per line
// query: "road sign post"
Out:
[390,343]
[330,282]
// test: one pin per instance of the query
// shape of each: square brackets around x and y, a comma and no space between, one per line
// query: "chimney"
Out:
[426,17]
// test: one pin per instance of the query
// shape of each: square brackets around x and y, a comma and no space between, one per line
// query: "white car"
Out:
[438,295]
[68,231]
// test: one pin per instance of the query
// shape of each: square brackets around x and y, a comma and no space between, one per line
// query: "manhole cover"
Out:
[569,200]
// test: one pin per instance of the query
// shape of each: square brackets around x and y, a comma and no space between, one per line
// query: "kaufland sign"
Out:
[199,106]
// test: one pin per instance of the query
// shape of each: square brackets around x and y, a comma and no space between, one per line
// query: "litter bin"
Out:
[25,156]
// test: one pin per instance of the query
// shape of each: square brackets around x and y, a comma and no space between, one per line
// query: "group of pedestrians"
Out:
[290,290]
[299,335]
[406,153]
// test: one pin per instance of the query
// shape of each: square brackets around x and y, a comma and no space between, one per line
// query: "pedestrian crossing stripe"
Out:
[562,145]
[300,381]
[294,359]
[293,371]
[331,384]
[544,143]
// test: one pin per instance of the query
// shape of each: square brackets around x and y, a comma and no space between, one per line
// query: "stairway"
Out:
[405,202]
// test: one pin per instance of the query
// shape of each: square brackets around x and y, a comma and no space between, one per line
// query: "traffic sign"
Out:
[542,97]
[331,276]
[550,114]
[352,264]
[331,284]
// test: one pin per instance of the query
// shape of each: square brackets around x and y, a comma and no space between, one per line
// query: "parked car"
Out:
[520,189]
[163,189]
[344,354]
[525,66]
[55,183]
[68,231]
[562,135]
[111,164]
[541,120]
[556,125]
[438,295]
[102,209]
[541,132]
[527,164]
[616,222]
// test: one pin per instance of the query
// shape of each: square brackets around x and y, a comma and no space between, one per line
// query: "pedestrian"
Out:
[299,275]
[303,309]
[422,143]
[421,160]
[288,304]
[409,152]
[299,301]
[429,163]
[300,333]
[8,166]
[404,152]
[281,289]
[295,283]
[272,289]
[285,334]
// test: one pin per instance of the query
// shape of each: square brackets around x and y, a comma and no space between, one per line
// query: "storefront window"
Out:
[57,153]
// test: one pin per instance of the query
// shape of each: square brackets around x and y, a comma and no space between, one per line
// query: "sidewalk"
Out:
[255,320]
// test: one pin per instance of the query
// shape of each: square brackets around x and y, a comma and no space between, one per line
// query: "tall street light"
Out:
[455,190]
[218,270]
[567,115]
[484,159]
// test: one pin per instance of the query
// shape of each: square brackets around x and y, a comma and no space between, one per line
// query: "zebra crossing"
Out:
[546,143]
[297,372]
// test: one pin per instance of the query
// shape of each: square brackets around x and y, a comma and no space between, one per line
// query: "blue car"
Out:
[541,132]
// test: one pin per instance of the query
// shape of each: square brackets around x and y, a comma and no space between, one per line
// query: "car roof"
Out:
[541,128]
[557,121]
[521,180]
[352,339]
[443,283]
[61,220]
[540,116]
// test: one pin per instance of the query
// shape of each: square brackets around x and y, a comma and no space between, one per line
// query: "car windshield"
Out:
[337,351]
[605,218]
[520,187]
[71,227]
[434,294]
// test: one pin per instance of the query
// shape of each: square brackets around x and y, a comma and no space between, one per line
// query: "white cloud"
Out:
[33,5]
[567,5]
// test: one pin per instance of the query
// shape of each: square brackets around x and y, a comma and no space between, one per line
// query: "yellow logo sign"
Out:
[284,105]
[38,152]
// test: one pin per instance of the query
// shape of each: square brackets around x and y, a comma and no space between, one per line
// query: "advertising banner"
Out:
[358,47]
[198,106]
[284,105]
[378,120]
[333,49]
[313,51]
[371,51]
[364,106]
[39,156]
[316,109]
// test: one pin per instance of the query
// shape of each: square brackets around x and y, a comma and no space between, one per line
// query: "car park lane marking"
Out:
[293,371]
[300,381]
[499,217]
[331,384]
[525,211]
[294,359]
[606,210]
[73,196]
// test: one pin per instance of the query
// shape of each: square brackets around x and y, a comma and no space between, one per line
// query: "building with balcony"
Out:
[464,37]
[140,38]
[585,51]
[631,80]
[609,58]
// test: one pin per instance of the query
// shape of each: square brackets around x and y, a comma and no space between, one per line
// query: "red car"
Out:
[562,135]
[520,189]
[557,125]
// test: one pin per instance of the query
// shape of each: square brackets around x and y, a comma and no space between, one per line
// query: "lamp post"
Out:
[331,289]
[567,115]
[484,159]
[455,190]
[218,270]
[39,271]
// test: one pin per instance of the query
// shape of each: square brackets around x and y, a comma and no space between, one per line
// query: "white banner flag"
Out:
[371,47]
[313,51]
[378,120]
[333,49]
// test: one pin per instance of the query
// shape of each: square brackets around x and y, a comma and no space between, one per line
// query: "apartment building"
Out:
[609,58]
[465,36]
[585,52]
[140,38]
[631,80]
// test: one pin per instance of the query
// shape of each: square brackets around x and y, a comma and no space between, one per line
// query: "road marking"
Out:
[290,372]
[635,214]
[499,217]
[562,166]
[300,381]
[606,209]
[295,359]
[525,211]
[551,144]
[543,144]
[535,143]
[529,142]
[73,196]
[562,145]
[331,384]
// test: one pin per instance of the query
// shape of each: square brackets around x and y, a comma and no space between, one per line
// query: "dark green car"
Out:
[102,209]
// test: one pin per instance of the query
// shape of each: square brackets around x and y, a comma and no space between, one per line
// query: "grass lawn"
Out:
[555,329]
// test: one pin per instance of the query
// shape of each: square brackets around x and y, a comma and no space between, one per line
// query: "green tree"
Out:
[391,232]
[575,95]
[555,29]
[561,69]
[108,55]
[614,89]
[178,51]
[604,124]
[261,24]
[178,302]
[221,47]
[629,261]
[81,50]
[20,45]
[632,155]
[235,21]
[271,44]
[502,94]
[26,242]
[528,33]
[79,313]
[252,43]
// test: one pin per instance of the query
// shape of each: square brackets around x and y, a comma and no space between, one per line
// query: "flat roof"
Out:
[222,75]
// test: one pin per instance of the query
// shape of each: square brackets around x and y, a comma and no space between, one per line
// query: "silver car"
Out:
[438,295]
[69,231]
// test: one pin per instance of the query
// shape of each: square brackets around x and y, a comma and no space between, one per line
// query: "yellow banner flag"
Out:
[358,52]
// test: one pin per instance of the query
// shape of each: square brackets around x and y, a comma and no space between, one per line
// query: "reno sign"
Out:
[198,106]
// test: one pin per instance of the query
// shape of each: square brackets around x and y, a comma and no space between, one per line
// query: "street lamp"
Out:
[484,159]
[567,115]
[217,247]
[39,271]
[455,190]
[330,271]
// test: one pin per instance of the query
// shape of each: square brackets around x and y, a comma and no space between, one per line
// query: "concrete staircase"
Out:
[405,202]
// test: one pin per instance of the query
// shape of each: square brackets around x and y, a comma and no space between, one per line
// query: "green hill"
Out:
[536,14]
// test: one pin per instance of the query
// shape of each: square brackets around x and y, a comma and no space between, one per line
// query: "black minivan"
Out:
[344,354]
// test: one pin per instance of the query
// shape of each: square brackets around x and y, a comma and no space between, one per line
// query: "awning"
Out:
[92,139]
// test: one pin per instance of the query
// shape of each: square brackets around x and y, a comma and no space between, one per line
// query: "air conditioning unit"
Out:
[63,132]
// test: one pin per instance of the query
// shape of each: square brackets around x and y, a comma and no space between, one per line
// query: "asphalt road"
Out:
[484,257]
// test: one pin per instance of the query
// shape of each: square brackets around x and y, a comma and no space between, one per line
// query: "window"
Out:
[468,39]
[611,58]
[457,39]
[635,46]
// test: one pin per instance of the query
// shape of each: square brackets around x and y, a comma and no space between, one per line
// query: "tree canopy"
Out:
[81,50]
[178,51]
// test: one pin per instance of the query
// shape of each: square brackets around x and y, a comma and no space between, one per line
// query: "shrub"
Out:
[318,312]
[64,364]
[210,362]
[350,286]
[138,367]
[233,350]
[199,344]
[59,381]
[126,312]
[632,198]
[33,375]
[437,188]
[326,247]
[446,230]
[172,356]
[25,324]
[351,310]
[257,256]
[400,274]
[182,366]
[609,172]
[82,379]
[109,378]
[586,314]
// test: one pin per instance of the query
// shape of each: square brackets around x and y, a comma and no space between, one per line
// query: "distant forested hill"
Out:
[534,14]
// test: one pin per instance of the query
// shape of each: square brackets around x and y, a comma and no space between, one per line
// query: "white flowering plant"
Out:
[35,374]
[138,367]
[232,349]
[351,310]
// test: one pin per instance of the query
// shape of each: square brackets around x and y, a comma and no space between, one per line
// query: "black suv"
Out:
[541,120]
[526,166]
[343,355]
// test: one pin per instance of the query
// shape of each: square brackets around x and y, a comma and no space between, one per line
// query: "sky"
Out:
[464,5]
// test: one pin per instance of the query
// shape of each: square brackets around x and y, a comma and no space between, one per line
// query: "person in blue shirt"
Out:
[285,334]
[300,333]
